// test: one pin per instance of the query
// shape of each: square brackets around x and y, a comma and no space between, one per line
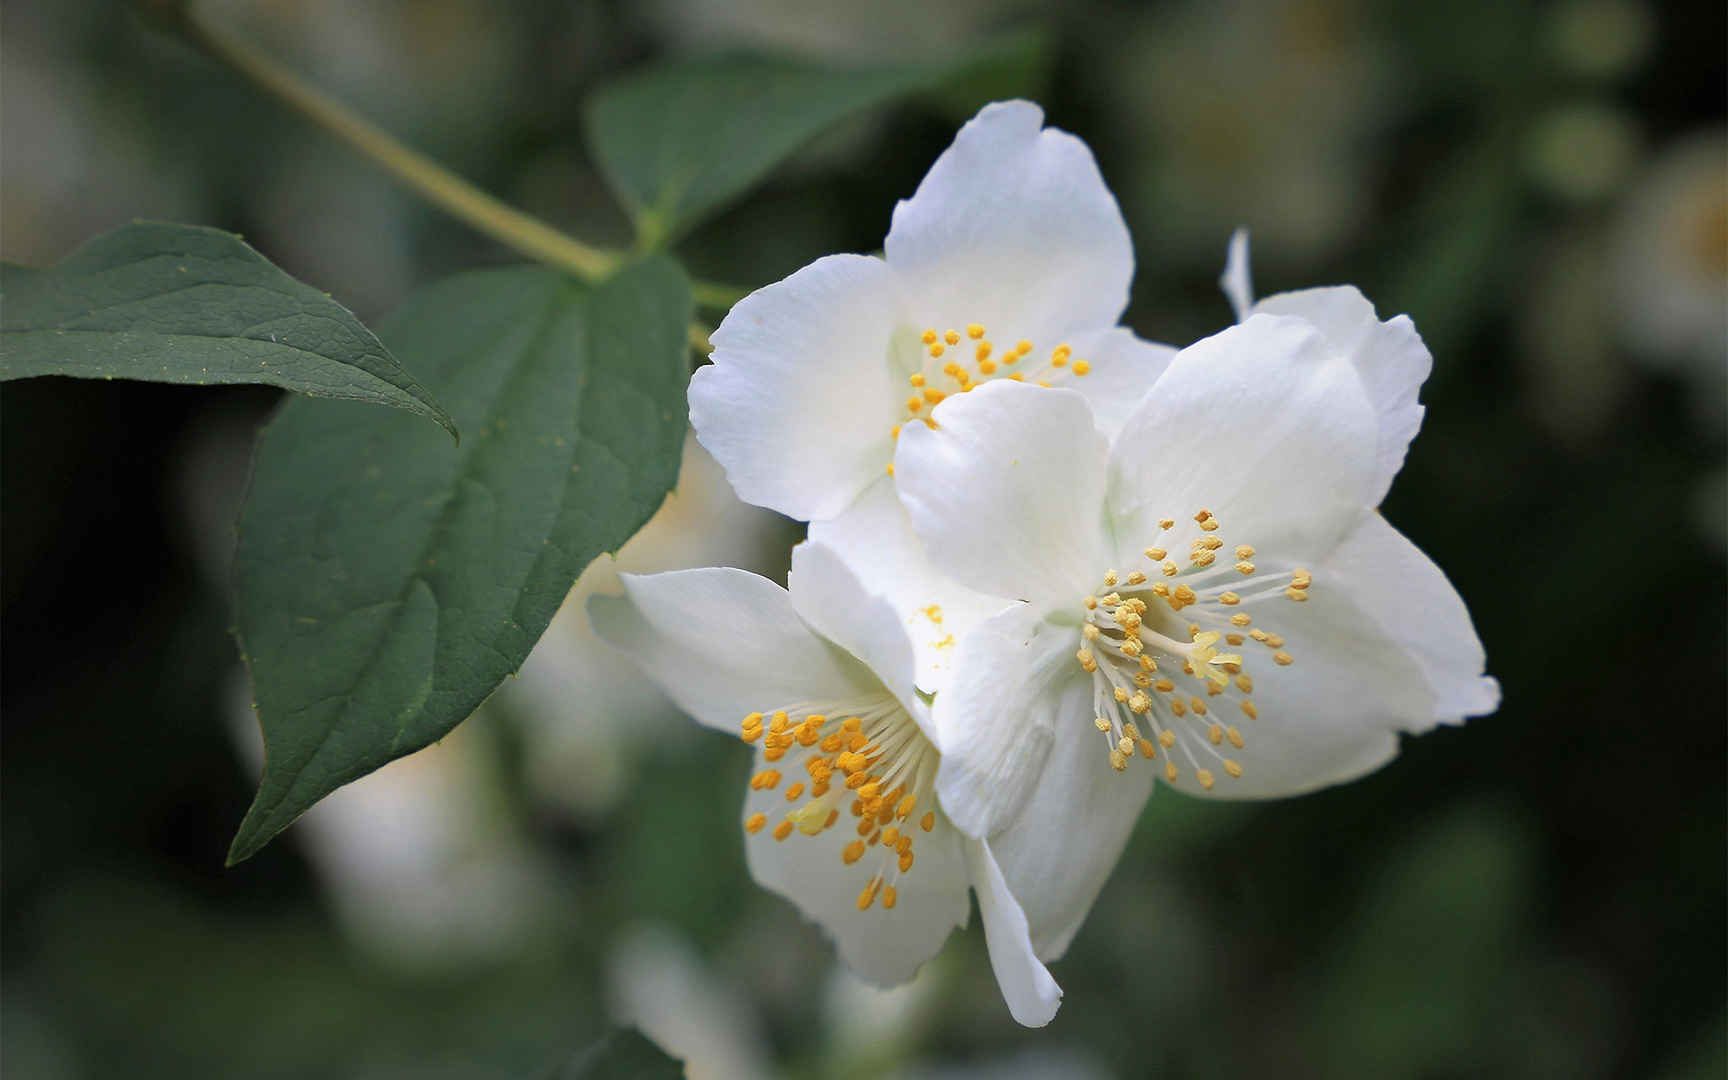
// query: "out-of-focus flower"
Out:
[422,860]
[658,983]
[822,673]
[1582,151]
[1671,266]
[586,711]
[1010,262]
[1250,111]
[1164,601]
[1604,39]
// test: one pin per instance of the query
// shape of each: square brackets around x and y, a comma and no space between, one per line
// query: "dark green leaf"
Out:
[624,1053]
[679,140]
[184,304]
[386,581]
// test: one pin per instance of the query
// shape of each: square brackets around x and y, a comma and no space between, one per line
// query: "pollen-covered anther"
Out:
[1102,723]
[1282,659]
[1156,554]
[1118,760]
[1087,660]
[1245,568]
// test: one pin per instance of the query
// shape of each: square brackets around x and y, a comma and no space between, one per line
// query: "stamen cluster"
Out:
[884,767]
[1130,625]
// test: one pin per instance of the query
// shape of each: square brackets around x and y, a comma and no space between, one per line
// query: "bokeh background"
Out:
[1539,893]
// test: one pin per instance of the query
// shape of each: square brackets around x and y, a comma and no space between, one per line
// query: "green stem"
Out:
[526,234]
[502,222]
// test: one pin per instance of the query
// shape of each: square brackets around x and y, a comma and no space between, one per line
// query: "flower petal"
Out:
[1331,715]
[1014,229]
[875,538]
[722,643]
[1032,995]
[1392,582]
[1389,356]
[1264,425]
[803,391]
[1236,281]
[996,719]
[1122,369]
[1061,849]
[832,601]
[884,947]
[1063,845]
[1007,491]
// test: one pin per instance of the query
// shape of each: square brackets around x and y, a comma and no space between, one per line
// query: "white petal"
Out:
[1262,424]
[830,599]
[875,538]
[1007,492]
[1014,229]
[803,391]
[1332,715]
[1123,368]
[1032,995]
[996,719]
[723,643]
[1061,849]
[1389,356]
[1236,281]
[884,947]
[1392,582]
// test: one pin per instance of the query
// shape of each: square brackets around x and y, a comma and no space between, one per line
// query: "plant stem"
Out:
[505,223]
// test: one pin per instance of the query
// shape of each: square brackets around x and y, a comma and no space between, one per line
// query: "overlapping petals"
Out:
[726,645]
[1010,260]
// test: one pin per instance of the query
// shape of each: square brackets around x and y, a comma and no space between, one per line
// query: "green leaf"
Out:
[677,141]
[185,304]
[385,581]
[624,1053]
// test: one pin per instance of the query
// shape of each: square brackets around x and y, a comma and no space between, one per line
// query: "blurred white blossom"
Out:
[1671,267]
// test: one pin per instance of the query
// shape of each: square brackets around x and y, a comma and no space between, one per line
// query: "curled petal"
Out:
[1389,356]
[1031,993]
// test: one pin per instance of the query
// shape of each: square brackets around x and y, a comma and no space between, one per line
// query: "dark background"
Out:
[1538,893]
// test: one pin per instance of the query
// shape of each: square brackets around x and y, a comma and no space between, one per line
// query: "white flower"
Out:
[841,815]
[1211,598]
[1010,262]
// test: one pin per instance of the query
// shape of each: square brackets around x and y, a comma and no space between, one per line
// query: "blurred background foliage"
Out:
[1539,893]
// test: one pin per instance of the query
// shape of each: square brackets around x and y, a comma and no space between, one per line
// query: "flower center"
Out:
[947,370]
[1151,668]
[866,755]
